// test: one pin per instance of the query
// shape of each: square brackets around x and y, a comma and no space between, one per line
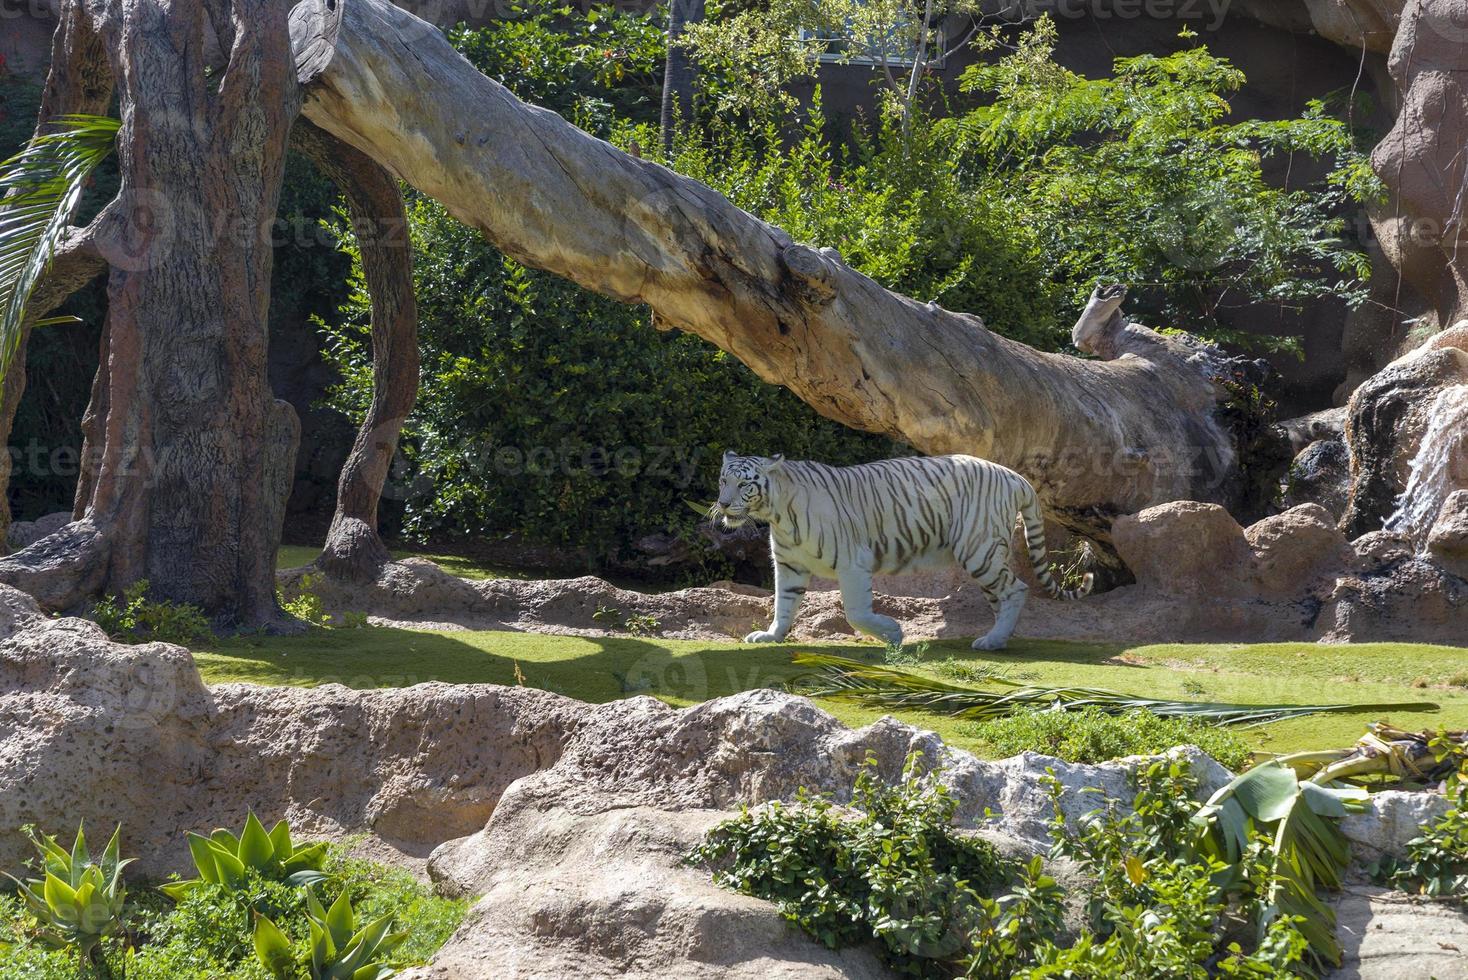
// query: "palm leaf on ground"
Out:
[39,189]
[872,684]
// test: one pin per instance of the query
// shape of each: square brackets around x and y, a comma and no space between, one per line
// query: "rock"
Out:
[1421,228]
[1296,549]
[1382,548]
[1185,548]
[1321,474]
[1388,935]
[1386,419]
[1411,600]
[23,533]
[1393,818]
[1329,423]
[1448,542]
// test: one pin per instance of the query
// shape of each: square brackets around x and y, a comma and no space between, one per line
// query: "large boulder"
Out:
[1320,474]
[1448,541]
[1385,422]
[1185,548]
[23,533]
[1193,549]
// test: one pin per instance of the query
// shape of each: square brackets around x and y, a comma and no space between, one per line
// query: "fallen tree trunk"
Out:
[1097,438]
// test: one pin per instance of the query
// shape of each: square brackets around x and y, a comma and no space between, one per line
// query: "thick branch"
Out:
[353,548]
[1097,438]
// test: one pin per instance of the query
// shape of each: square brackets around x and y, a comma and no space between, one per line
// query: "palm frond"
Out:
[39,189]
[885,687]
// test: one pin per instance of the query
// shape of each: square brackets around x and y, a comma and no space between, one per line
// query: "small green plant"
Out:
[1092,735]
[338,949]
[352,621]
[1437,860]
[134,618]
[638,624]
[903,655]
[968,671]
[892,868]
[224,859]
[77,904]
[304,603]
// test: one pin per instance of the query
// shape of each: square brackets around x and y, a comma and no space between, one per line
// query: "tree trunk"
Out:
[79,81]
[195,461]
[353,549]
[1097,438]
[678,72]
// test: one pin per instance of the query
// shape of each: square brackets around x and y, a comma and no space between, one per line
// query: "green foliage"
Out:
[1138,178]
[1092,735]
[891,869]
[137,619]
[1437,860]
[77,904]
[1306,849]
[339,950]
[40,188]
[303,602]
[225,859]
[544,409]
[1154,908]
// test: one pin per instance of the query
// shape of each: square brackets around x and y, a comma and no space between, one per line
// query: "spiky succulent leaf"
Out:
[273,948]
[256,849]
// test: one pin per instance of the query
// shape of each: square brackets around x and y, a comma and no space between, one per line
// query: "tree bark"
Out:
[678,70]
[353,548]
[1097,438]
[195,460]
[79,81]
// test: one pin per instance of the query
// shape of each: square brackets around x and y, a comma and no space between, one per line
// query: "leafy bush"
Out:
[1091,735]
[137,619]
[338,949]
[1138,178]
[893,870]
[1437,860]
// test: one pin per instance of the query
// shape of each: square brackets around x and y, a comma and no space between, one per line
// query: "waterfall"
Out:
[1439,468]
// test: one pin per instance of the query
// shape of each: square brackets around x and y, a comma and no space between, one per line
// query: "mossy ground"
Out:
[684,672]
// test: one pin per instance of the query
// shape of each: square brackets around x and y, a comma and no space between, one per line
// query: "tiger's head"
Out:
[744,488]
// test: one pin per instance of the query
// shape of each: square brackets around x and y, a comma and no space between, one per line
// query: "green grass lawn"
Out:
[684,672]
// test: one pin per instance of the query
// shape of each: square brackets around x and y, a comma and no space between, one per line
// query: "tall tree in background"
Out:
[678,71]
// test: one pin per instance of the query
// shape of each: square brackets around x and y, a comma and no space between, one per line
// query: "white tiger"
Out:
[888,517]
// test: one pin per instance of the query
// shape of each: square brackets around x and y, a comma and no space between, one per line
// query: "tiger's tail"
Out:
[1039,558]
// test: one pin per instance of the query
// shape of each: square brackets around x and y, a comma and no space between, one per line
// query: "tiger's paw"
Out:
[763,636]
[988,643]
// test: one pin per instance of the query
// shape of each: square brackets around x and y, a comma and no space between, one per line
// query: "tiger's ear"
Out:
[730,454]
[776,463]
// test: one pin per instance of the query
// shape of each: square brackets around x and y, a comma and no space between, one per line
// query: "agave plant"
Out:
[39,189]
[77,902]
[885,687]
[224,859]
[339,950]
[1307,849]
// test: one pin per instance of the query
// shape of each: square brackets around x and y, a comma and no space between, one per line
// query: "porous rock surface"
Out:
[569,821]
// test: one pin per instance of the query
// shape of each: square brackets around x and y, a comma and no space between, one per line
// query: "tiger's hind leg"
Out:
[856,601]
[1006,595]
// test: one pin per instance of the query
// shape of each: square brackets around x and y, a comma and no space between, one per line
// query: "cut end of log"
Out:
[813,272]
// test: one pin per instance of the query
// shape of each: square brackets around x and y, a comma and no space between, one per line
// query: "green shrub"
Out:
[303,602]
[1091,735]
[891,869]
[134,618]
[1436,863]
[338,948]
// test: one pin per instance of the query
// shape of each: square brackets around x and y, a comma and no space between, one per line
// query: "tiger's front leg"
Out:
[790,586]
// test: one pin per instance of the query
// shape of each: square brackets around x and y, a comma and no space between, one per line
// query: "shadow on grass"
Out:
[596,669]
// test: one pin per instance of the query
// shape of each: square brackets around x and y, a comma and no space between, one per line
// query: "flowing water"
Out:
[1439,468]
